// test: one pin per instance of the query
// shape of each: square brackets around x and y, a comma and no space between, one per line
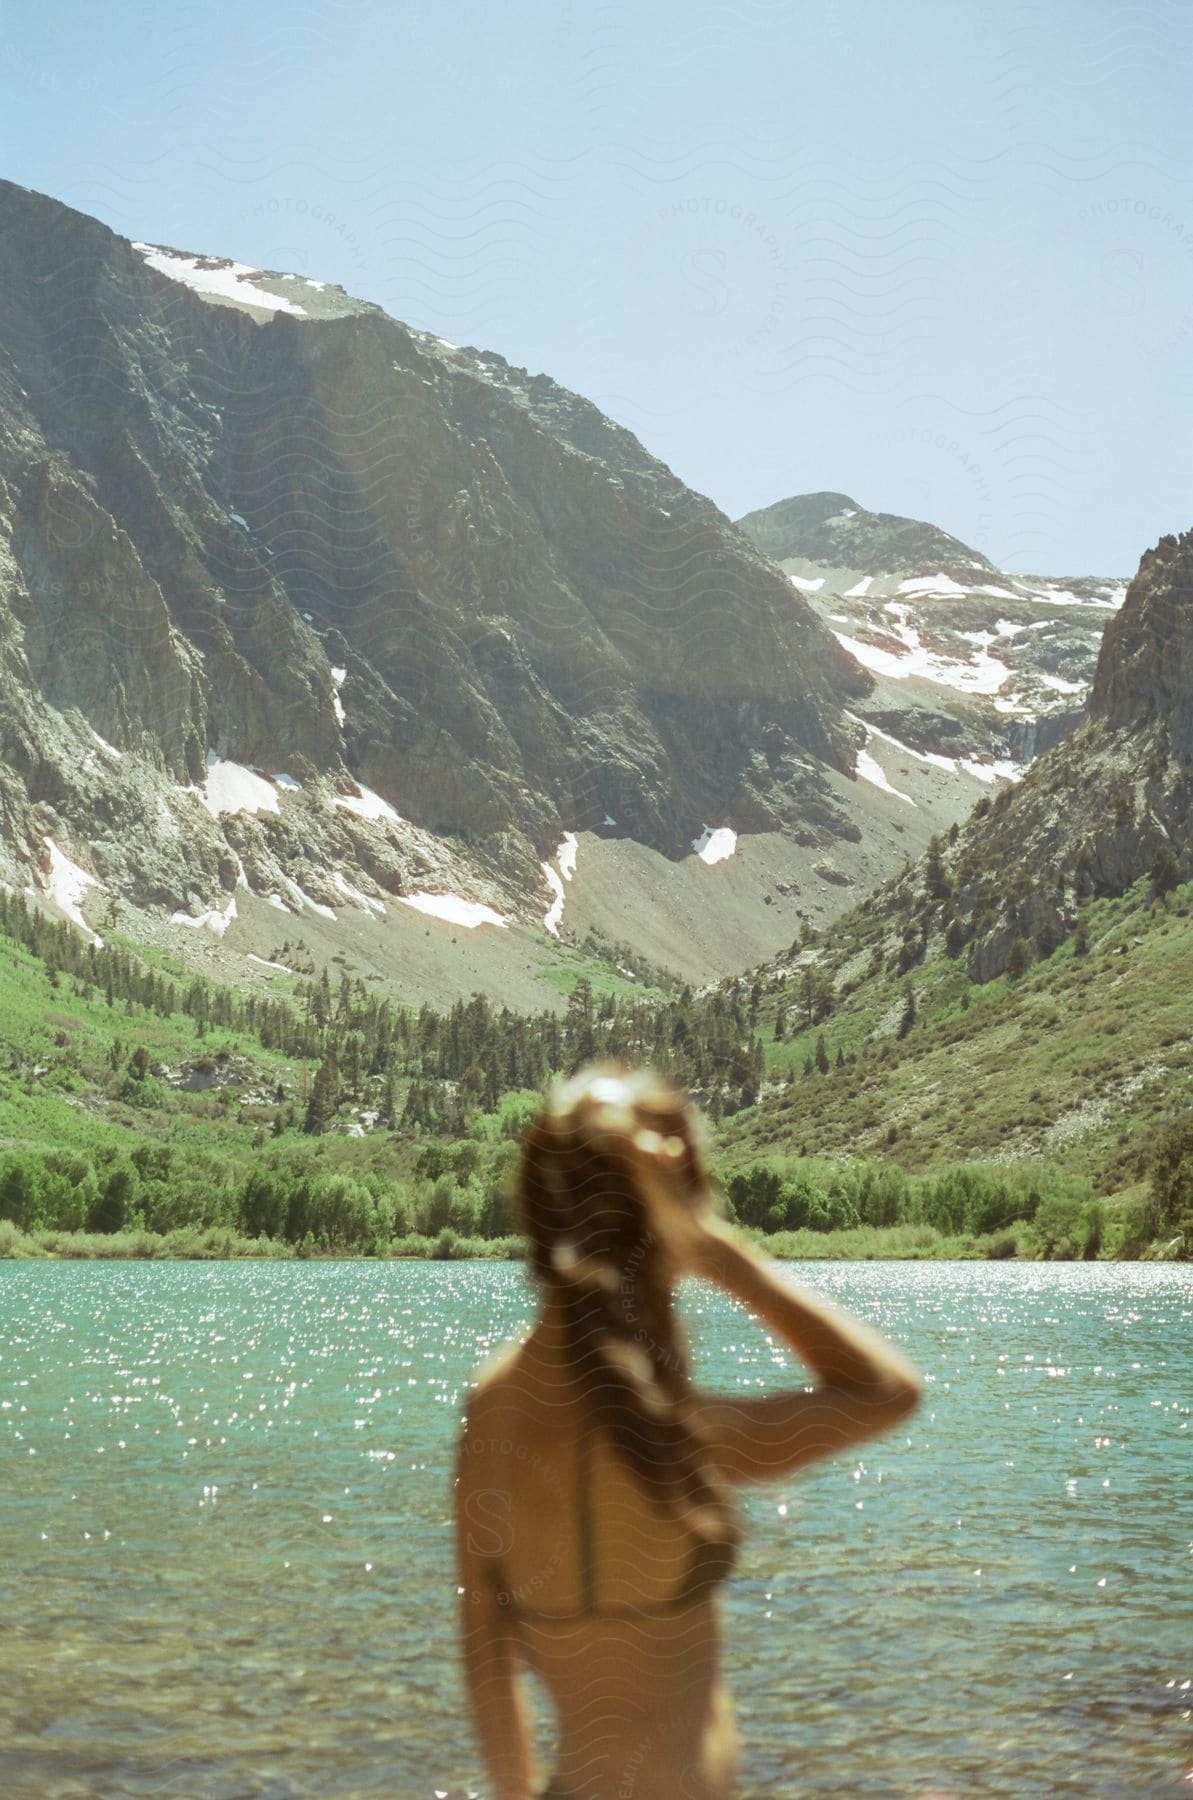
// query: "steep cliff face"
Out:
[1110,803]
[1144,681]
[263,526]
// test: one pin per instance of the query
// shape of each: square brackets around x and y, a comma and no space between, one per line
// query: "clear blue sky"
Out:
[938,254]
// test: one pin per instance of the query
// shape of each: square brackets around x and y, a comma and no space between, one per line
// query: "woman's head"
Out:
[607,1167]
[609,1170]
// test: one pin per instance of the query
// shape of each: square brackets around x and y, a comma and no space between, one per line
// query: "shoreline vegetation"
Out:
[147,1113]
[891,1243]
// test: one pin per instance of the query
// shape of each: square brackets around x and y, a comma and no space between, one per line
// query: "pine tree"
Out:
[325,1097]
[1165,875]
[816,992]
[1172,1180]
[1020,957]
[937,885]
[909,1012]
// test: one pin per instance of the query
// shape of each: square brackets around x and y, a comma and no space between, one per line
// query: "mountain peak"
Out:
[831,528]
[220,281]
[1145,669]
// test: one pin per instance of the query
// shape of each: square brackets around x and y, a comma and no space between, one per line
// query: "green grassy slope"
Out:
[985,1127]
[1078,1060]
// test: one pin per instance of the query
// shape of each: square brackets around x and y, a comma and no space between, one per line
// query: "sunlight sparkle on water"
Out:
[239,1469]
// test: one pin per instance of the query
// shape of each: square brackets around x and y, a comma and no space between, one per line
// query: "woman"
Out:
[593,1517]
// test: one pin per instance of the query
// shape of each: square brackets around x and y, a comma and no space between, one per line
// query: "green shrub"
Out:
[1172,1183]
[447,1246]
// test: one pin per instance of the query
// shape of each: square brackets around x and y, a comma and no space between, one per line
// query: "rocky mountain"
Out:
[973,666]
[833,530]
[892,1036]
[305,612]
[1111,803]
[1144,680]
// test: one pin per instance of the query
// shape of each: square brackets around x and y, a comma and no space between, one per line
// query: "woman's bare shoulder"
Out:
[486,1402]
[520,1391]
[504,1375]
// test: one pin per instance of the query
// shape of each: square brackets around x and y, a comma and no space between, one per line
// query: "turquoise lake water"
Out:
[225,1555]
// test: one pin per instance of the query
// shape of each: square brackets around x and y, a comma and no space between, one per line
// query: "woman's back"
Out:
[600,1589]
[586,1539]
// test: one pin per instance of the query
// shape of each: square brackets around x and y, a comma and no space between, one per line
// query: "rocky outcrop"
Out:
[1109,804]
[1144,680]
[311,541]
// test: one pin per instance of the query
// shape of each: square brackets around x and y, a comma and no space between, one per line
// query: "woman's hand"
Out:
[694,1233]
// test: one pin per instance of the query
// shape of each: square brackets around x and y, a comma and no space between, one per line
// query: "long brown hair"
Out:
[609,1154]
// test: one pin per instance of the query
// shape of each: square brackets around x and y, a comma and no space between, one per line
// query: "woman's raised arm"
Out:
[864,1384]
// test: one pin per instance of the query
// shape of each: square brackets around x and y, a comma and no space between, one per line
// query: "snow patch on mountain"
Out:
[67,884]
[364,901]
[455,909]
[316,906]
[368,805]
[947,763]
[715,846]
[940,583]
[565,856]
[554,912]
[217,279]
[998,770]
[984,675]
[232,788]
[104,744]
[871,771]
[991,771]
[214,919]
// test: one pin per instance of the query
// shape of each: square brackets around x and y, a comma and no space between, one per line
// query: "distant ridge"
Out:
[832,528]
